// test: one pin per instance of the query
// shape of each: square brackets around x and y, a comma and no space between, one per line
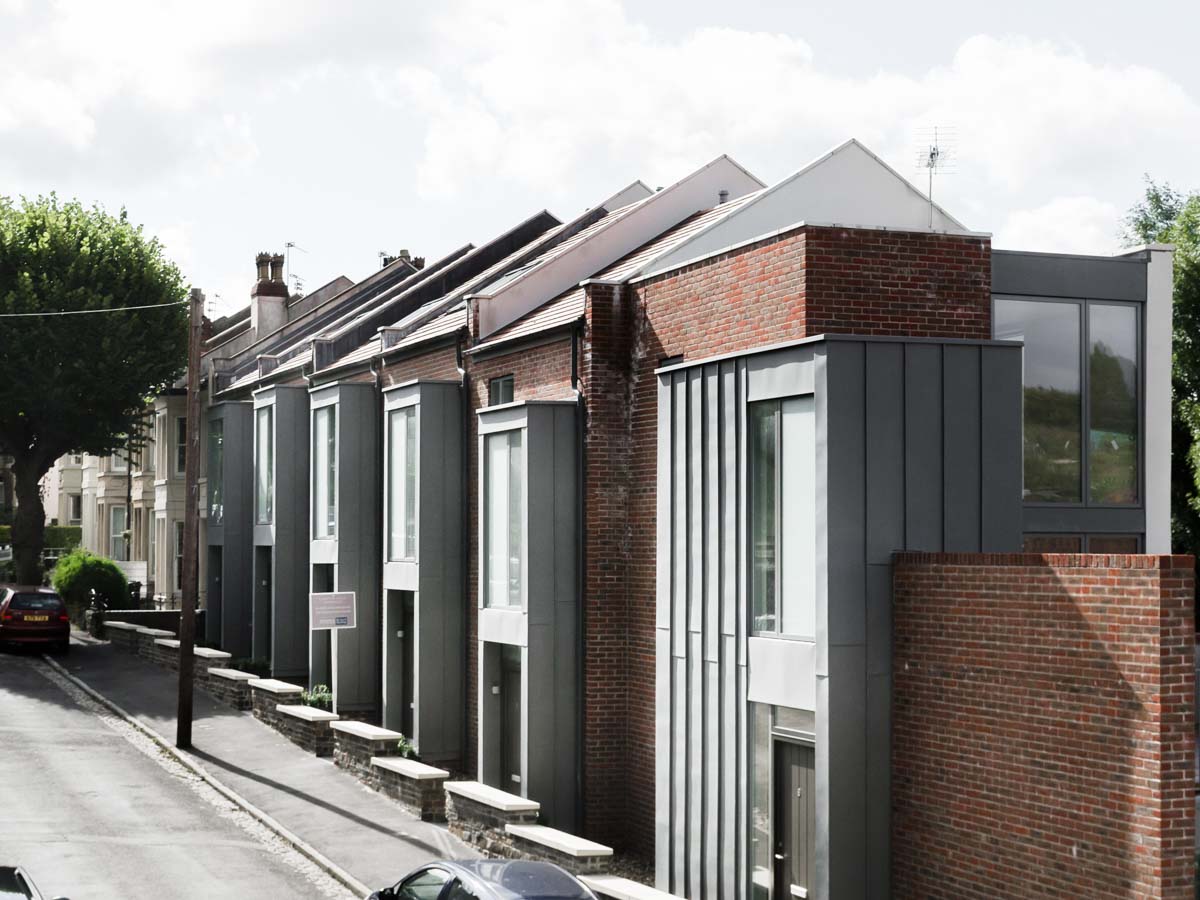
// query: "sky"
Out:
[362,127]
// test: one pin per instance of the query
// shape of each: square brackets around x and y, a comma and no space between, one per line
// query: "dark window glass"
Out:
[1052,380]
[50,602]
[1112,404]
[500,390]
[1113,543]
[425,885]
[763,523]
[1052,543]
[216,464]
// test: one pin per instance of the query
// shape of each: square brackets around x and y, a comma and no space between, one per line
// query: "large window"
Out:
[1060,466]
[264,465]
[74,508]
[178,553]
[216,471]
[180,445]
[504,537]
[783,517]
[324,456]
[117,541]
[402,483]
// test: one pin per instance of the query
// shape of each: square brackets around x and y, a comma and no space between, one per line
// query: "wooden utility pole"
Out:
[191,527]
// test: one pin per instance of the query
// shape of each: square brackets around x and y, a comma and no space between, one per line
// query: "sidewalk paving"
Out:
[365,833]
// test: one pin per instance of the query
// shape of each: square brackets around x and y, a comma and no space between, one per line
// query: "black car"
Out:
[15,884]
[34,616]
[486,879]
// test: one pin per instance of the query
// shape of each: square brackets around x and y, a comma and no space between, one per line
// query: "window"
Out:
[264,465]
[783,538]
[216,462]
[180,444]
[459,891]
[500,390]
[117,541]
[504,538]
[402,483]
[119,461]
[1074,543]
[178,556]
[77,460]
[426,885]
[74,508]
[324,457]
[1067,397]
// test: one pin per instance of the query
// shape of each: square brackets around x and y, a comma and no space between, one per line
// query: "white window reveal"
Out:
[264,465]
[117,541]
[178,583]
[504,538]
[402,483]
[324,456]
[180,445]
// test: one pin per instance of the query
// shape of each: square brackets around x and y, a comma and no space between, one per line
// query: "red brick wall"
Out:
[751,297]
[1043,726]
[440,364]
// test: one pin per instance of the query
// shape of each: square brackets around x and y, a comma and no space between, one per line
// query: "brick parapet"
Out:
[1043,726]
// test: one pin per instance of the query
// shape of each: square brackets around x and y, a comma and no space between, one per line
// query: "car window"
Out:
[425,885]
[459,891]
[12,884]
[39,602]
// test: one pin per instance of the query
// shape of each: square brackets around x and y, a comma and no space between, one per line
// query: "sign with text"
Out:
[331,610]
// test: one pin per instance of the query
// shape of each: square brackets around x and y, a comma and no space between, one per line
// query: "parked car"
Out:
[16,883]
[486,879]
[34,616]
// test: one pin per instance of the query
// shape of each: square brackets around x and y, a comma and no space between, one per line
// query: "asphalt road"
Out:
[94,809]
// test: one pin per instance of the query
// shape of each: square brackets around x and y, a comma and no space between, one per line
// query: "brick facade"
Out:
[1043,721]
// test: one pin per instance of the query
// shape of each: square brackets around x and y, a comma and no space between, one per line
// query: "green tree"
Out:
[77,383]
[79,573]
[1166,215]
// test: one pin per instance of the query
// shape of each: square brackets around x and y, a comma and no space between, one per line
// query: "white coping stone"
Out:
[562,841]
[122,626]
[210,653]
[623,888]
[409,768]
[274,686]
[369,732]
[308,713]
[493,797]
[233,674]
[154,632]
[167,642]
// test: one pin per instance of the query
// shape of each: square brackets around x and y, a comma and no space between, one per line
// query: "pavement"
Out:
[94,809]
[369,836]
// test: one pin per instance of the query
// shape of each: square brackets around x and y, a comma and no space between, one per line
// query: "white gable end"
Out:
[848,186]
[626,232]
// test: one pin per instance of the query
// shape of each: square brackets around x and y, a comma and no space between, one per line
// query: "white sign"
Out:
[328,611]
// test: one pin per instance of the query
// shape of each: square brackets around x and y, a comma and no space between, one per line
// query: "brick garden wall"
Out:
[1043,718]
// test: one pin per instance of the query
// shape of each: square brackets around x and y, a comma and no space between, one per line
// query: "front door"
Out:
[795,794]
[510,719]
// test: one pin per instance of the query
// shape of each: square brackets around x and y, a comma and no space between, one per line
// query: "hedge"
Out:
[68,536]
[79,573]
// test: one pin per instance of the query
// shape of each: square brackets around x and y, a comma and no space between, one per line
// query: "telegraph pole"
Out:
[191,526]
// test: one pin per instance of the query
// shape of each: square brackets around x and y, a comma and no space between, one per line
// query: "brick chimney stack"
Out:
[269,296]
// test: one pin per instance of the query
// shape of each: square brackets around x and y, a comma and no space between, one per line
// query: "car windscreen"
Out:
[12,885]
[36,602]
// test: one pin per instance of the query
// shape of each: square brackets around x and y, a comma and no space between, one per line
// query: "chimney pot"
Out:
[277,267]
[722,197]
[261,262]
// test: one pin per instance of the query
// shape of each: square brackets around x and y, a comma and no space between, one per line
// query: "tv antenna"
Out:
[288,247]
[936,155]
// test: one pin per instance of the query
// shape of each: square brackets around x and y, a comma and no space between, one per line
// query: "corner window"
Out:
[783,517]
[500,390]
[216,462]
[1081,410]
[402,483]
[180,445]
[324,456]
[264,465]
[504,512]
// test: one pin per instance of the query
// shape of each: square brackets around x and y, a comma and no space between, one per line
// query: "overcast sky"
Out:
[349,128]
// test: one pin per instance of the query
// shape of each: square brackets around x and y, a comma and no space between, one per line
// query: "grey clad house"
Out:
[230,500]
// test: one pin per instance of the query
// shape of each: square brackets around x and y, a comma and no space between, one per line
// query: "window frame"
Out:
[114,536]
[401,464]
[177,548]
[179,443]
[264,503]
[1083,305]
[74,509]
[330,473]
[523,513]
[215,483]
[497,385]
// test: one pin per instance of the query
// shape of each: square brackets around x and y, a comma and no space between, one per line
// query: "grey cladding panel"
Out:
[885,450]
[964,479]
[923,446]
[1000,453]
[1050,275]
[845,390]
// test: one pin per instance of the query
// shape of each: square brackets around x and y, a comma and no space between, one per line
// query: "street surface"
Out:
[94,809]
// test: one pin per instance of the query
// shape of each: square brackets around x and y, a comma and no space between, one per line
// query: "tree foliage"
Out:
[78,383]
[81,572]
[1168,216]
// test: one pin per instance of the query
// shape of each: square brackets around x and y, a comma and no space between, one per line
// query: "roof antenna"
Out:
[936,156]
[288,246]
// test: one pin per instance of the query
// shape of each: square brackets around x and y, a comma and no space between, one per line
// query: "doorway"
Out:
[401,672]
[320,658]
[510,718]
[794,805]
[214,612]
[261,629]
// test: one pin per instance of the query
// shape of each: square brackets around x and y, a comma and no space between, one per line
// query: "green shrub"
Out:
[405,748]
[319,696]
[79,573]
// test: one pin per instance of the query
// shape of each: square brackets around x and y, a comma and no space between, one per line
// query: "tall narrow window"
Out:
[119,461]
[1112,403]
[178,553]
[402,483]
[325,472]
[264,465]
[783,517]
[216,463]
[75,511]
[117,540]
[180,445]
[504,539]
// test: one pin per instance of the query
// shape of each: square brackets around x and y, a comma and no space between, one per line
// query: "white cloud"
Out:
[1062,225]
